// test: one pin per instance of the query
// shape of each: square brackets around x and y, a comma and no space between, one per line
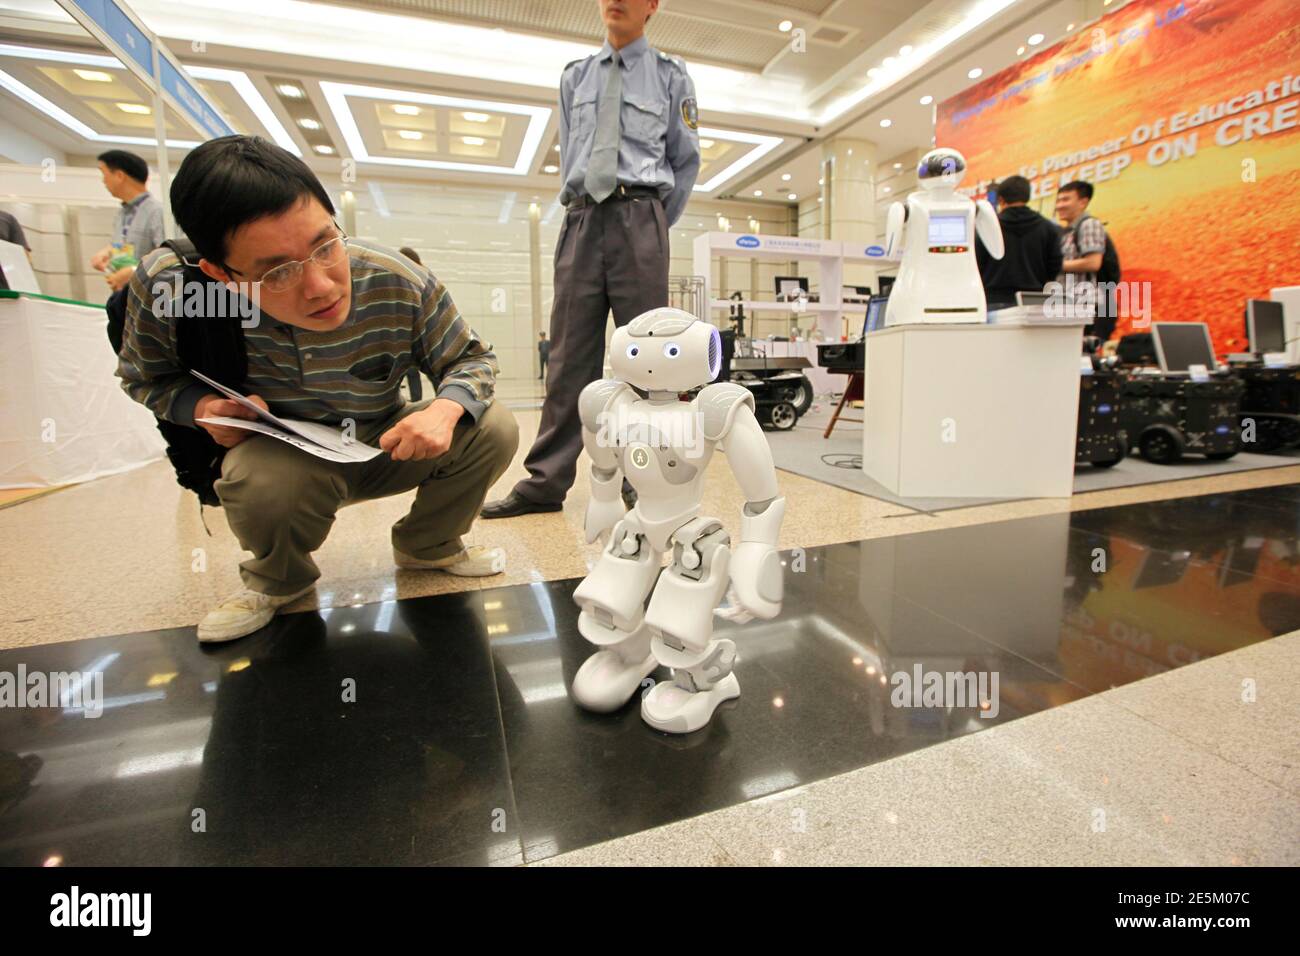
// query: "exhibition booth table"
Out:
[986,411]
[63,415]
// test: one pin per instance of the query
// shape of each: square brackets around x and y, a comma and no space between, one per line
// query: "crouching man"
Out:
[341,323]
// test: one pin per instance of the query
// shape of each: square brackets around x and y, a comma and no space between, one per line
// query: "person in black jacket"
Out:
[1033,248]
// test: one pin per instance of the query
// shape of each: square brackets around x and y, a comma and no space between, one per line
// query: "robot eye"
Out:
[633,351]
[672,349]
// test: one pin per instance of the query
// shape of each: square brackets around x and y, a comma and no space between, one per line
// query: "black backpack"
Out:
[1110,270]
[211,345]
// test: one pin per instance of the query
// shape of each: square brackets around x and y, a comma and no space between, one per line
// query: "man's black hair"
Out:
[1079,188]
[231,181]
[411,254]
[129,163]
[1014,189]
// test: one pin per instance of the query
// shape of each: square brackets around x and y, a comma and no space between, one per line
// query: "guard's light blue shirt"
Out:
[659,144]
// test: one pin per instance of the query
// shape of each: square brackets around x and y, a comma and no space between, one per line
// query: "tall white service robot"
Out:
[938,277]
[663,446]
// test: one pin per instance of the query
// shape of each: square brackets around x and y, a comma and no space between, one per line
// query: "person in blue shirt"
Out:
[629,157]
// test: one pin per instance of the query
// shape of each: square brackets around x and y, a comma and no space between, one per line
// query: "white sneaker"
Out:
[243,613]
[475,561]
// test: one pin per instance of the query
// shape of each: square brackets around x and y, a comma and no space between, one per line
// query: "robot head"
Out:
[941,169]
[666,349]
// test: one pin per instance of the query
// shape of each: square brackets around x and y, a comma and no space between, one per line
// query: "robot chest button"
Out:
[640,456]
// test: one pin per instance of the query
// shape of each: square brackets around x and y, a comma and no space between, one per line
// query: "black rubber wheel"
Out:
[1122,440]
[1219,455]
[803,397]
[782,416]
[1160,447]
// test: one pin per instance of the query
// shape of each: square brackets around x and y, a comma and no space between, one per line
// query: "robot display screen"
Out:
[948,231]
[1265,326]
[1181,345]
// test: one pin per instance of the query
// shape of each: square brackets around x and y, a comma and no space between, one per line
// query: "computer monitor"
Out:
[875,314]
[790,286]
[1180,345]
[1039,299]
[1265,326]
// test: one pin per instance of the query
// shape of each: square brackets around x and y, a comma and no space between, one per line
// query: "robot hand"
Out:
[757,581]
[733,610]
[605,507]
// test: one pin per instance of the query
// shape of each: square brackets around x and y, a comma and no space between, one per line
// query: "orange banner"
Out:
[1185,117]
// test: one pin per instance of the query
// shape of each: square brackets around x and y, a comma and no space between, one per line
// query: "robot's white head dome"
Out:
[941,168]
[666,349]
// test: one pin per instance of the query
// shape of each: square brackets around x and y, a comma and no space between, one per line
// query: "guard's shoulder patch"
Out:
[718,404]
[691,113]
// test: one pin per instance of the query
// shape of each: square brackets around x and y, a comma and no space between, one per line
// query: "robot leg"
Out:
[612,598]
[680,618]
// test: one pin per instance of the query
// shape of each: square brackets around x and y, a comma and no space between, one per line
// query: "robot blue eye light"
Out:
[671,350]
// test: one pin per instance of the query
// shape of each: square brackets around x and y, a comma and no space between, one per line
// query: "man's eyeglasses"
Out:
[288,274]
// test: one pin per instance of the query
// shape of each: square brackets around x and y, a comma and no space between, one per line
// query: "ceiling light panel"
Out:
[513,152]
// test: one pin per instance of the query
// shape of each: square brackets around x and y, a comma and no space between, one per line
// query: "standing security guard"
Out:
[629,154]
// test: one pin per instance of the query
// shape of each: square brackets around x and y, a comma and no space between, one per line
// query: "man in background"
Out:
[629,155]
[1033,248]
[1083,245]
[543,352]
[12,231]
[138,226]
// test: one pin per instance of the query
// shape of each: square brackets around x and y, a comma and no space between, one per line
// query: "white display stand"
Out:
[829,256]
[1289,296]
[63,415]
[972,411]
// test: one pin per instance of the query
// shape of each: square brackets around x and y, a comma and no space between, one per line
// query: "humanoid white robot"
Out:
[663,446]
[938,277]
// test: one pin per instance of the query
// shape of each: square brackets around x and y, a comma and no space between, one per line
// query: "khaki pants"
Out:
[280,502]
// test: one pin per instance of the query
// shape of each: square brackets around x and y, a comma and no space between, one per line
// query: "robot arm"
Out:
[988,228]
[595,407]
[755,565]
[895,230]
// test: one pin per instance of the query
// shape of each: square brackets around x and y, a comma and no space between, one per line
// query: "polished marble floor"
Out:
[438,729]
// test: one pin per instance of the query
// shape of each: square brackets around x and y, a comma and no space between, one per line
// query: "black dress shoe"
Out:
[516,504]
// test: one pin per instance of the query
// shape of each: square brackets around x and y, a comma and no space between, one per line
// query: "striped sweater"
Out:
[401,317]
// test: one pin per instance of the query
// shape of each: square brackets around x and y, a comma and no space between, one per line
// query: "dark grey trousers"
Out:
[610,256]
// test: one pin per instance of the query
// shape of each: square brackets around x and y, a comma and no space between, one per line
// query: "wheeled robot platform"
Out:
[1167,416]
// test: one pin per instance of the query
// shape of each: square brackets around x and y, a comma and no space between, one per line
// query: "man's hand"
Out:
[120,278]
[217,406]
[99,261]
[424,434]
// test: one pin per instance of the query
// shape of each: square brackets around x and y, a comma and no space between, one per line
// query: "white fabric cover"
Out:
[57,380]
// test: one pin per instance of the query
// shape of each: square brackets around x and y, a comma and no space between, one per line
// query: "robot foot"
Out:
[606,680]
[675,710]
